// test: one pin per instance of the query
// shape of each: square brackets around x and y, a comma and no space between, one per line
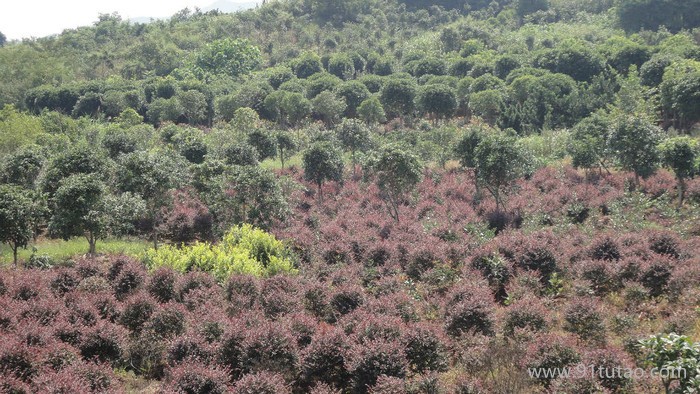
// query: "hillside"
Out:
[362,196]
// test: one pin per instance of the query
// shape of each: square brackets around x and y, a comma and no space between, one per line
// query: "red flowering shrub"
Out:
[279,295]
[605,248]
[126,276]
[17,359]
[388,385]
[610,365]
[346,299]
[302,326]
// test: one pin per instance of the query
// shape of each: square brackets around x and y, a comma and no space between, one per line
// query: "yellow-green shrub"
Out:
[243,250]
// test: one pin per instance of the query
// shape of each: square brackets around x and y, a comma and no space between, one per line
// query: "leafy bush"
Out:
[195,378]
[261,383]
[243,250]
[375,359]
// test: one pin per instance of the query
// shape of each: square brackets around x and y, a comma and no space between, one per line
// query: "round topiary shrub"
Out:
[270,347]
[469,310]
[230,352]
[195,378]
[17,359]
[656,278]
[241,292]
[169,321]
[424,349]
[549,352]
[374,359]
[192,281]
[279,296]
[346,299]
[102,342]
[605,249]
[188,347]
[127,279]
[303,327]
[388,385]
[261,383]
[325,360]
[145,354]
[584,318]
[63,282]
[137,312]
[525,314]
[162,284]
[665,244]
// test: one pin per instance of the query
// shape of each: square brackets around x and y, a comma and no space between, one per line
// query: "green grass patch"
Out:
[276,164]
[60,250]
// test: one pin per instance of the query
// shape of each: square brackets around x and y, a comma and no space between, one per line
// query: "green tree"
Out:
[22,167]
[286,144]
[681,155]
[228,57]
[527,7]
[354,93]
[150,175]
[77,160]
[634,142]
[499,161]
[466,153]
[440,101]
[257,198]
[371,111]
[587,143]
[3,39]
[574,58]
[17,217]
[677,356]
[194,106]
[307,65]
[397,172]
[78,209]
[355,136]
[398,96]
[329,107]
[342,66]
[322,162]
[264,142]
[680,94]
[487,104]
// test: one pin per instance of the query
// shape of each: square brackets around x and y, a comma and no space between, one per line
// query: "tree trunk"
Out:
[92,242]
[154,235]
[14,254]
[681,192]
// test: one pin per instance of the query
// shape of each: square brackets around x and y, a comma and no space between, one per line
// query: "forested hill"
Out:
[527,64]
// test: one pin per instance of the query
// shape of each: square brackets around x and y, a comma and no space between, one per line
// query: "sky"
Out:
[38,18]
